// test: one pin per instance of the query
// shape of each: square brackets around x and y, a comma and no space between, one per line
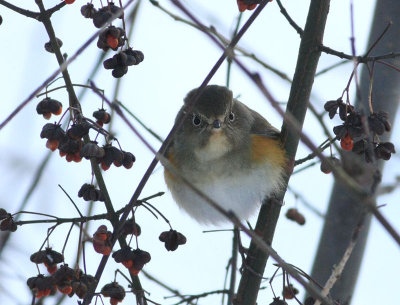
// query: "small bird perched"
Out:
[226,150]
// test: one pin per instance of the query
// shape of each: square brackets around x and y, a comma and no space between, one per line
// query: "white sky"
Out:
[177,59]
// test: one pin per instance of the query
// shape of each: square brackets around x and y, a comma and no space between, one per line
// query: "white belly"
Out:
[240,194]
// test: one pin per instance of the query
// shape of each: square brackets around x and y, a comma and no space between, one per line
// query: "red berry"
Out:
[59,111]
[52,144]
[114,301]
[106,250]
[347,143]
[47,115]
[242,6]
[128,264]
[69,1]
[65,290]
[76,157]
[134,271]
[69,157]
[51,268]
[112,41]
[104,166]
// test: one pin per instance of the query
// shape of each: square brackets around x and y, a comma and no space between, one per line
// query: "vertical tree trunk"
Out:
[345,211]
[303,80]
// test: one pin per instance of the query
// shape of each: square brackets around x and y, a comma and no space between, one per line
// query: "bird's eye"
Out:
[231,117]
[196,120]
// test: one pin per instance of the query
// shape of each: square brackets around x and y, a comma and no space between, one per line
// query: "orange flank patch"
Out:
[168,175]
[267,149]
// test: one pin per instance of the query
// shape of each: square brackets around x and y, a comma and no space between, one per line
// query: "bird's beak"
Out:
[216,124]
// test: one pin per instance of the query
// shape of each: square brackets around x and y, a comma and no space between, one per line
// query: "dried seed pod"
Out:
[78,130]
[49,48]
[49,258]
[8,224]
[4,214]
[102,116]
[91,150]
[88,10]
[134,260]
[131,227]
[49,106]
[289,292]
[89,193]
[384,150]
[52,132]
[128,160]
[40,285]
[172,239]
[102,240]
[114,291]
[379,122]
[293,214]
[326,167]
[278,301]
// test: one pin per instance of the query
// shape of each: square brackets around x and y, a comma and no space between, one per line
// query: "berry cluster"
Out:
[66,280]
[354,135]
[133,260]
[70,142]
[113,155]
[114,291]
[112,38]
[119,62]
[6,221]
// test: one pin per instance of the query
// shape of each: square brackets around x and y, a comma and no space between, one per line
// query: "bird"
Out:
[227,151]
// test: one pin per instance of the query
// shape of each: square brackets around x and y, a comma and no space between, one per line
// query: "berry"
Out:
[112,41]
[52,144]
[128,160]
[114,291]
[243,6]
[65,289]
[134,260]
[102,116]
[293,214]
[102,240]
[69,1]
[347,142]
[49,106]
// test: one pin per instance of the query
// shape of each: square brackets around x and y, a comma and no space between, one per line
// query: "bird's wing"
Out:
[262,127]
